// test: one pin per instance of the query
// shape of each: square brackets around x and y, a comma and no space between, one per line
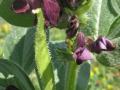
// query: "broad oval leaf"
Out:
[25,20]
[116,5]
[18,73]
[114,31]
[111,58]
[100,16]
[19,48]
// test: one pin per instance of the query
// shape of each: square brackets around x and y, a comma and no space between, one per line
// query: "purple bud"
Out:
[81,55]
[51,10]
[72,27]
[102,44]
[20,6]
[80,39]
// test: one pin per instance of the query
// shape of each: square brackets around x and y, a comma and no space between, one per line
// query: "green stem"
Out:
[42,57]
[71,76]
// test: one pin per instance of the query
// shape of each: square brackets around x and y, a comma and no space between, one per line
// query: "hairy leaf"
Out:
[116,5]
[18,73]
[114,31]
[59,51]
[100,17]
[43,57]
[83,76]
[19,48]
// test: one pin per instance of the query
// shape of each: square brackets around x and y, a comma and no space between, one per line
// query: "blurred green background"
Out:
[101,77]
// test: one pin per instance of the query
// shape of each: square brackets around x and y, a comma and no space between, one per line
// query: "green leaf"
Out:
[83,76]
[83,8]
[60,69]
[43,57]
[116,5]
[12,39]
[19,48]
[60,59]
[111,58]
[71,76]
[25,20]
[18,73]
[2,88]
[114,31]
[100,17]
[59,51]
[76,77]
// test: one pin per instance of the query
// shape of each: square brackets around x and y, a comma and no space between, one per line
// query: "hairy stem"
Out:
[71,76]
[43,57]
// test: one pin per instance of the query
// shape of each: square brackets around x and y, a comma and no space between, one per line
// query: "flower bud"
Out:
[80,39]
[72,27]
[102,44]
[81,55]
[51,10]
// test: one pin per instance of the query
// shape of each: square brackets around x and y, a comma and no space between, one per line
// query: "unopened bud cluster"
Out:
[73,26]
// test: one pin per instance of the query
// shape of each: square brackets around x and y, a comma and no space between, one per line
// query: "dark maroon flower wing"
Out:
[20,6]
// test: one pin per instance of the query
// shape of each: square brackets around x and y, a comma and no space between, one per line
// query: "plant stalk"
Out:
[42,56]
[71,76]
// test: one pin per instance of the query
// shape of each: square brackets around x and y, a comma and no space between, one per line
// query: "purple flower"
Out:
[50,8]
[81,55]
[20,6]
[102,44]
[23,6]
[80,39]
[72,27]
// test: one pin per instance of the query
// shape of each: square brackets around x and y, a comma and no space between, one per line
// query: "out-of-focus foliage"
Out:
[103,78]
[4,30]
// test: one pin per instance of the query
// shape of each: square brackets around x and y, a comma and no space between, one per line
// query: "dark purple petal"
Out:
[34,3]
[110,45]
[51,10]
[102,44]
[72,3]
[80,39]
[20,6]
[81,55]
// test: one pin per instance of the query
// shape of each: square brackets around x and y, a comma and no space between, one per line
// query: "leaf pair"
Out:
[20,76]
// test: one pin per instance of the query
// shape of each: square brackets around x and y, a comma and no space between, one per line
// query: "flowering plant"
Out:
[92,33]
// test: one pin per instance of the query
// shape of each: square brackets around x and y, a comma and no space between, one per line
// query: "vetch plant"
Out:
[92,33]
